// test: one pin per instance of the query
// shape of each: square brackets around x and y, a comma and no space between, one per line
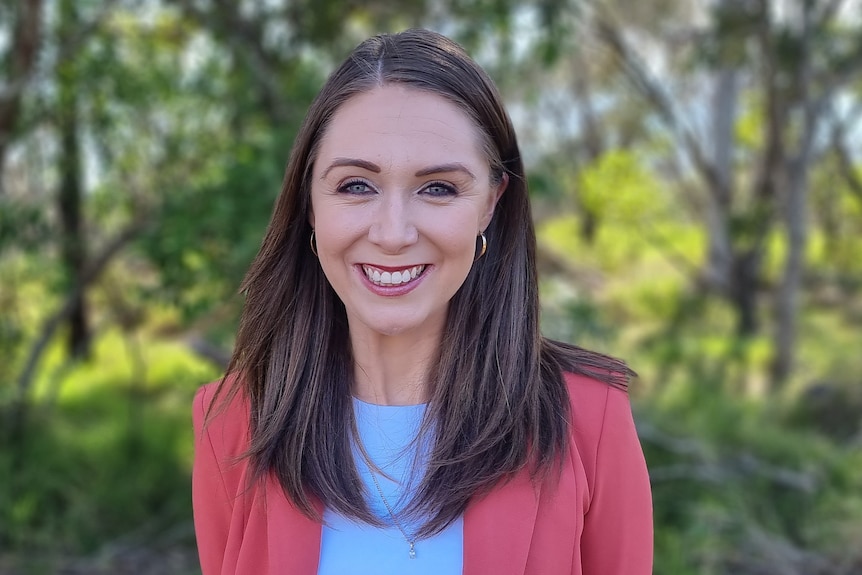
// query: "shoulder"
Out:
[617,535]
[600,412]
[591,399]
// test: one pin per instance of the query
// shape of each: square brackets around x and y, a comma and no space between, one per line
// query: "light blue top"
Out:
[351,548]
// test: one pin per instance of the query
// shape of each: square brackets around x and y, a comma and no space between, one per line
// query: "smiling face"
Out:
[400,189]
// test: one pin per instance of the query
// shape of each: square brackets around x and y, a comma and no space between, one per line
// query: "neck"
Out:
[393,370]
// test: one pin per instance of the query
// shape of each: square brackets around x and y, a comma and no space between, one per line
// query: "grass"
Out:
[106,452]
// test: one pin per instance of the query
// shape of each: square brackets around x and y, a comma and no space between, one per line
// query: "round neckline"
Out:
[367,404]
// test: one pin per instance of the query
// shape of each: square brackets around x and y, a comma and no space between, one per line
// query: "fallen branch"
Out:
[711,468]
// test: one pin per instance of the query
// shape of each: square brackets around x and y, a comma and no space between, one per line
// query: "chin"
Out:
[392,329]
[395,325]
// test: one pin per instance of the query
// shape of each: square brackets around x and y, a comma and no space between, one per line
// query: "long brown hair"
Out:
[498,401]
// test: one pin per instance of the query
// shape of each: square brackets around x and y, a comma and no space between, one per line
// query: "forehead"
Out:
[395,125]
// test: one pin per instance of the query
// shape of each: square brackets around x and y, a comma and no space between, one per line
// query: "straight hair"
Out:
[498,400]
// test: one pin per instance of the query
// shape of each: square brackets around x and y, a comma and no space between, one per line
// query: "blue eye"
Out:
[440,190]
[355,187]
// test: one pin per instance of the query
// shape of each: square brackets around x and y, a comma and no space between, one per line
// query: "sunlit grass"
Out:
[107,447]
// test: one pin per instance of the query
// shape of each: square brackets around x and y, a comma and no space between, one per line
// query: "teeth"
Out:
[382,278]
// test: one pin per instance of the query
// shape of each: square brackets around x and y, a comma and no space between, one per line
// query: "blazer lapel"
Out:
[294,539]
[498,528]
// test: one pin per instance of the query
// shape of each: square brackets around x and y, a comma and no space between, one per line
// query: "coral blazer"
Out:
[596,521]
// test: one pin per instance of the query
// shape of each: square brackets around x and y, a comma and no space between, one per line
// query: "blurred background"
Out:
[696,172]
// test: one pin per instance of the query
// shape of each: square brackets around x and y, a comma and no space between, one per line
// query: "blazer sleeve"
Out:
[618,526]
[211,501]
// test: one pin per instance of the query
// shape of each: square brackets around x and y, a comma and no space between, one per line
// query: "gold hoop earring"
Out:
[311,243]
[484,246]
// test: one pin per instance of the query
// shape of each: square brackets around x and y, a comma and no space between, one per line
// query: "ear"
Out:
[311,217]
[492,202]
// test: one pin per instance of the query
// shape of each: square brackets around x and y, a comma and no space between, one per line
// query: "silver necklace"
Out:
[410,542]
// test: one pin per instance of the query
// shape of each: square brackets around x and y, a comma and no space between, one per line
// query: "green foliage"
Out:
[726,493]
[207,235]
[22,225]
[108,456]
[618,186]
[639,225]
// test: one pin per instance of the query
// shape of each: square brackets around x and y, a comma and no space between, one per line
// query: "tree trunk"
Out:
[751,232]
[69,196]
[720,258]
[787,297]
[745,284]
[795,210]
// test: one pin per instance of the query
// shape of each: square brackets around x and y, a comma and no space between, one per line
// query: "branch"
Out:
[827,11]
[650,89]
[22,59]
[90,275]
[245,38]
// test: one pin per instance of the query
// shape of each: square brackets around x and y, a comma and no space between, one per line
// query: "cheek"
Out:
[333,236]
[457,236]
[334,226]
[333,245]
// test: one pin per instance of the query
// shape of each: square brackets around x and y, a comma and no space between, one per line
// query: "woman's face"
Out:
[400,189]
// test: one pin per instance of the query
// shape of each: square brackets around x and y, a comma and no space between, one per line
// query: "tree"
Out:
[72,237]
[791,64]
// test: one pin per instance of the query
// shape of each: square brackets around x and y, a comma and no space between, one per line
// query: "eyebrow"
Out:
[445,168]
[372,167]
[356,162]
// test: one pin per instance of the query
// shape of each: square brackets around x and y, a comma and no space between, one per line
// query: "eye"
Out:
[440,190]
[355,187]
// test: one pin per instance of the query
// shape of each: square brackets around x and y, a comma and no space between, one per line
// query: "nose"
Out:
[393,228]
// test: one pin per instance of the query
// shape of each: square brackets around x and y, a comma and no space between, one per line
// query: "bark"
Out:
[787,297]
[745,285]
[719,202]
[21,59]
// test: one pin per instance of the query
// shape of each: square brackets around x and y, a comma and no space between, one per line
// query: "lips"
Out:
[392,276]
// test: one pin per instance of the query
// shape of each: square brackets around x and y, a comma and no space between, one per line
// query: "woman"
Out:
[391,406]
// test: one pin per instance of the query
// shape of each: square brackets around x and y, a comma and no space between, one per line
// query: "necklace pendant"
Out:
[412,551]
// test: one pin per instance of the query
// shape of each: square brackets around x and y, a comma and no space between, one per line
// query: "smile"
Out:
[392,278]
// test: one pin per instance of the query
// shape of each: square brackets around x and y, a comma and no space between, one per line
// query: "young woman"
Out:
[391,406]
